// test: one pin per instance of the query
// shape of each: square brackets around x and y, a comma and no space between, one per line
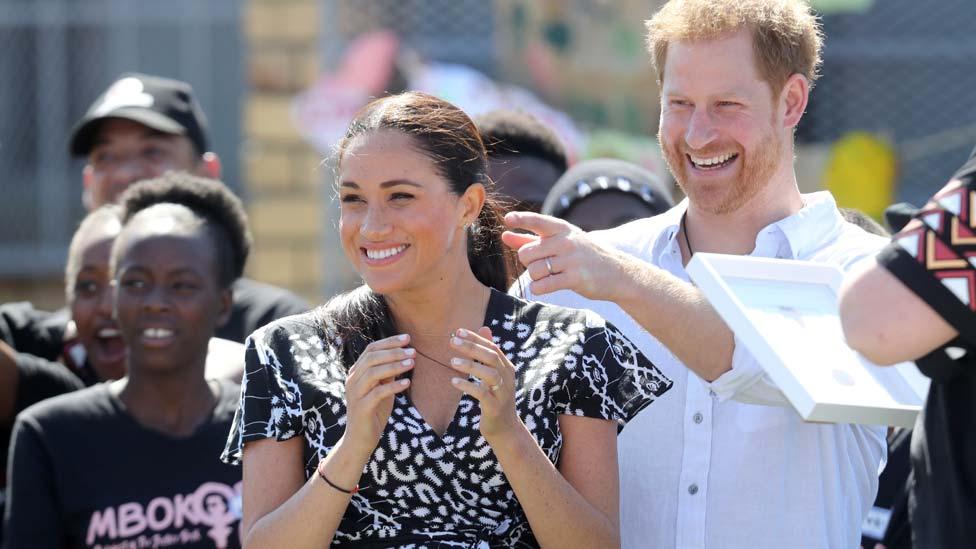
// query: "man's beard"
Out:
[757,170]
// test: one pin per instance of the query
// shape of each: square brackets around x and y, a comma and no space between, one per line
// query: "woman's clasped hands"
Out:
[371,386]
[493,381]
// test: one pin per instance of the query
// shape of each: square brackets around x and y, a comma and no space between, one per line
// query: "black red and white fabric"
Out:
[934,256]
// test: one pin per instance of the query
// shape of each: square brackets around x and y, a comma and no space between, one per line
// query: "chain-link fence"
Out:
[456,31]
[56,56]
[905,70]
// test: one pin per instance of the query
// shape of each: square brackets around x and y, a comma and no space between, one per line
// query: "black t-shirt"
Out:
[37,336]
[86,474]
[33,331]
[934,256]
[257,304]
[37,379]
[421,488]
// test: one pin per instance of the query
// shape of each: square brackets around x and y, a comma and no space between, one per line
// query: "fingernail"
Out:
[456,361]
[410,351]
[456,340]
[407,362]
[403,337]
[404,382]
[462,332]
[455,380]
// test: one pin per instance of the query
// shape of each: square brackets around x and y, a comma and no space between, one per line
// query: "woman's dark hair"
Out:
[446,135]
[210,200]
[511,132]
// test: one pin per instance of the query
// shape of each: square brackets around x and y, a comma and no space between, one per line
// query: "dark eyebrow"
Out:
[385,184]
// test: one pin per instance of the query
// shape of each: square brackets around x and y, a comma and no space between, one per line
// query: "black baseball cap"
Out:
[602,175]
[162,104]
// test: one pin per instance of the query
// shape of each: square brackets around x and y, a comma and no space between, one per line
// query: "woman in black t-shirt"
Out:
[132,463]
[429,408]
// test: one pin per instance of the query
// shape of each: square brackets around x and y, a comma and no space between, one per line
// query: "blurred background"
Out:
[889,121]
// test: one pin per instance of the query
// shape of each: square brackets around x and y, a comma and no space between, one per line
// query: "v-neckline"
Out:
[451,431]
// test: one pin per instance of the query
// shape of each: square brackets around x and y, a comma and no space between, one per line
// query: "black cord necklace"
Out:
[432,359]
[684,229]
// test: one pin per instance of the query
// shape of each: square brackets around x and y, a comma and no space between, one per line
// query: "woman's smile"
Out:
[376,256]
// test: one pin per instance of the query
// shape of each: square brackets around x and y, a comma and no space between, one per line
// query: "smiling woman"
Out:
[183,243]
[428,407]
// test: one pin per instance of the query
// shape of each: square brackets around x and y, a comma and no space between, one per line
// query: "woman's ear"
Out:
[225,306]
[471,203]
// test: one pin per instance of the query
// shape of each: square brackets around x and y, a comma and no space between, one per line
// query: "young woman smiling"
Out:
[429,408]
[132,462]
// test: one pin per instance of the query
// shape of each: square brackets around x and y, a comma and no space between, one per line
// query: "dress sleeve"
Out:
[271,401]
[611,378]
[934,255]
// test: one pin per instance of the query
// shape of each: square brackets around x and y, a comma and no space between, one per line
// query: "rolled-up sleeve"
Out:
[746,382]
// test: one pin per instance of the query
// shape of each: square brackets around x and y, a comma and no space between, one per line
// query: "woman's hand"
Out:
[370,388]
[495,382]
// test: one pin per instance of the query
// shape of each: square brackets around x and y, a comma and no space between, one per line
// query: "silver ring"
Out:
[549,266]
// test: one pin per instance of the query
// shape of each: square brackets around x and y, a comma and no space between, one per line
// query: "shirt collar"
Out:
[803,232]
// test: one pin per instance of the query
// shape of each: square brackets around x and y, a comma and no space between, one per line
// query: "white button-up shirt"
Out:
[730,464]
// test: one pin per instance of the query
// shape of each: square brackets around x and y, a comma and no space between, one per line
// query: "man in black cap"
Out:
[142,127]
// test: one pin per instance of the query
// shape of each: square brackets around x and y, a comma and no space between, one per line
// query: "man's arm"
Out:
[675,312]
[887,322]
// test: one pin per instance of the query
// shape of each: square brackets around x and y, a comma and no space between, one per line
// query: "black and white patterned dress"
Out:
[425,490]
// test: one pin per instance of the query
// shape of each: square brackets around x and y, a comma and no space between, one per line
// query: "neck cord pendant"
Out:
[432,359]
[684,229]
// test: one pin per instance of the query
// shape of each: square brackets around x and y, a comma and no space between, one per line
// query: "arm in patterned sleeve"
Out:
[611,378]
[270,404]
[919,295]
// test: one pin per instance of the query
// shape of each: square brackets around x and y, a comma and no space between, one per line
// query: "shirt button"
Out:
[693,489]
[697,418]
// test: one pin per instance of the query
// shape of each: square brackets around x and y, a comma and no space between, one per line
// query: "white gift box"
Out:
[785,312]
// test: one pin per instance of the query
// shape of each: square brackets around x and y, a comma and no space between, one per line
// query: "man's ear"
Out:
[87,180]
[209,166]
[793,99]
[471,202]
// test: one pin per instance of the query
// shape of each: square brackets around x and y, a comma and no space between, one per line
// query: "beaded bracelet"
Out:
[321,471]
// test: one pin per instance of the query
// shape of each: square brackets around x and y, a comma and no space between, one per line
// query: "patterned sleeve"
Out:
[934,255]
[271,402]
[610,378]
